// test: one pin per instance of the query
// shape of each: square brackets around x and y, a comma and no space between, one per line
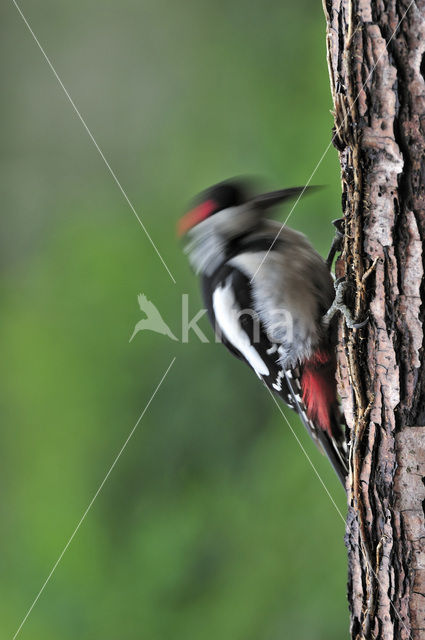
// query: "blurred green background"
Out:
[212,524]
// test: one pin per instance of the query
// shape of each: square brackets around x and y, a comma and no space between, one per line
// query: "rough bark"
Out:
[377,69]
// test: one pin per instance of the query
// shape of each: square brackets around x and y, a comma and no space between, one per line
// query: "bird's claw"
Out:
[338,304]
[339,225]
[337,241]
[360,325]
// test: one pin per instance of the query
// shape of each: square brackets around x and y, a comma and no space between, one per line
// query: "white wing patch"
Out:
[227,315]
[277,386]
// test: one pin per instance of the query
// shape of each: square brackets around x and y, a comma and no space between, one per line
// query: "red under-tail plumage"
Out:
[319,398]
[319,389]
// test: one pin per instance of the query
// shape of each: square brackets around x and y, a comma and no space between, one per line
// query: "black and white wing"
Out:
[228,298]
[227,295]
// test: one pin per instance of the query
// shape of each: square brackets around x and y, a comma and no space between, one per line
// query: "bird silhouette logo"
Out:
[153,320]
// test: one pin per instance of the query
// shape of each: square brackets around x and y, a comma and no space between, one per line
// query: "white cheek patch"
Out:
[226,313]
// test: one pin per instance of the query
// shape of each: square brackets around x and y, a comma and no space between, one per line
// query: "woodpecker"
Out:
[267,292]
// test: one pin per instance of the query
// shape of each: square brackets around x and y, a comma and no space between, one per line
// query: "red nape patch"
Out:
[319,389]
[195,216]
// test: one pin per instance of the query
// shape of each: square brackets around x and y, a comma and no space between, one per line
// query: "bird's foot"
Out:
[339,305]
[336,242]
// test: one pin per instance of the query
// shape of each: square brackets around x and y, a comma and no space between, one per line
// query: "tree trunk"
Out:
[377,68]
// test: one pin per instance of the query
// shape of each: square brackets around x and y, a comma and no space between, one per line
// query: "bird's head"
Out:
[222,196]
[231,197]
[224,214]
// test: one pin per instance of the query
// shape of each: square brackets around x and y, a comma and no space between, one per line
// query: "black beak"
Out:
[267,200]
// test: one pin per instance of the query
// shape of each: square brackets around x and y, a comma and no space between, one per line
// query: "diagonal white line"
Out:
[94,498]
[93,140]
[329,145]
[306,455]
